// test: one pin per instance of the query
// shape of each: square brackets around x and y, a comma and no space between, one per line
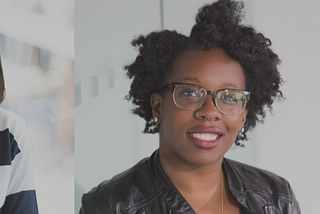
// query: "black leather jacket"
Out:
[146,189]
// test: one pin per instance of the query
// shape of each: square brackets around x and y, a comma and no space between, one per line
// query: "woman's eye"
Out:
[229,98]
[189,93]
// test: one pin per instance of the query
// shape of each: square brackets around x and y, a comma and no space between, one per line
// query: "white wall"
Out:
[106,133]
[108,137]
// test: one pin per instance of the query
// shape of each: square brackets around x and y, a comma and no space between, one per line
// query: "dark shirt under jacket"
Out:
[146,189]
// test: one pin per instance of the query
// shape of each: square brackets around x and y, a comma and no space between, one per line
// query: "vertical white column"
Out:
[106,132]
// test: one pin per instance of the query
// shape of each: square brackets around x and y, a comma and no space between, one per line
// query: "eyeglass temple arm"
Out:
[247,93]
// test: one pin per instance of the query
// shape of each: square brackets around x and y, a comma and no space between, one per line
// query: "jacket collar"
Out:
[234,182]
[173,198]
[170,194]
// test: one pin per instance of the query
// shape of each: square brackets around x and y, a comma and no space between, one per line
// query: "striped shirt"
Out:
[17,192]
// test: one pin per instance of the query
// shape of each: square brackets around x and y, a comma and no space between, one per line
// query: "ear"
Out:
[244,116]
[156,104]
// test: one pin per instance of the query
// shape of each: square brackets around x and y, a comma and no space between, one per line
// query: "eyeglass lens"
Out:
[192,97]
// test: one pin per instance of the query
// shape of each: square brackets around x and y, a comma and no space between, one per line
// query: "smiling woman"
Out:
[201,93]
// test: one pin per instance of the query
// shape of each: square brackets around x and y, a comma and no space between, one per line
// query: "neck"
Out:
[192,179]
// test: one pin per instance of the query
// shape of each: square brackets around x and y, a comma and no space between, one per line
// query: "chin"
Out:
[204,159]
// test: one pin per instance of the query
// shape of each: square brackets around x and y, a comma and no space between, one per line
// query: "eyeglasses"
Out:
[191,97]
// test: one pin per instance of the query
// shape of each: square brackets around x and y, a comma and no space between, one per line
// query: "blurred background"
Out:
[37,50]
[109,138]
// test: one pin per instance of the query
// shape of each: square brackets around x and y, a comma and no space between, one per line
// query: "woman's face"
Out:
[180,130]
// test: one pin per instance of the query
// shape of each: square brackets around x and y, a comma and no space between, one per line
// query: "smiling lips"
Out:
[204,136]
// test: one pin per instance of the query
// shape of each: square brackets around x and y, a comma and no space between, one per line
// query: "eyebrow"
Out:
[195,79]
[229,84]
[224,85]
[192,79]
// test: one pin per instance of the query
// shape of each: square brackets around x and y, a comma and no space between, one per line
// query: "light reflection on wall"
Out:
[37,49]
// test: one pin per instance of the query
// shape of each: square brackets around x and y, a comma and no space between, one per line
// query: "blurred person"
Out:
[202,94]
[17,191]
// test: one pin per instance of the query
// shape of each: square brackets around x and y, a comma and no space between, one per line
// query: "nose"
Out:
[209,110]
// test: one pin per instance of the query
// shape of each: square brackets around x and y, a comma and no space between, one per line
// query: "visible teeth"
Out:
[207,137]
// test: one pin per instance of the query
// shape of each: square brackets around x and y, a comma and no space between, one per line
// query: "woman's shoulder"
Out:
[258,180]
[258,188]
[12,121]
[129,185]
[13,129]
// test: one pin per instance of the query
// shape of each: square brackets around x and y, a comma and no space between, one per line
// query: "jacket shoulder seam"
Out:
[273,195]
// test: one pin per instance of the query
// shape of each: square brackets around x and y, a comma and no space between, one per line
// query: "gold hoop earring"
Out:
[242,130]
[155,119]
[203,117]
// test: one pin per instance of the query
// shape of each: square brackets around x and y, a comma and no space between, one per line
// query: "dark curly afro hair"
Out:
[217,25]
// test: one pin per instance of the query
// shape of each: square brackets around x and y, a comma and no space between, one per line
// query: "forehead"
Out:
[213,68]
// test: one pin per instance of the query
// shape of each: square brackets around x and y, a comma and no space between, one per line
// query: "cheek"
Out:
[234,124]
[173,121]
[170,112]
